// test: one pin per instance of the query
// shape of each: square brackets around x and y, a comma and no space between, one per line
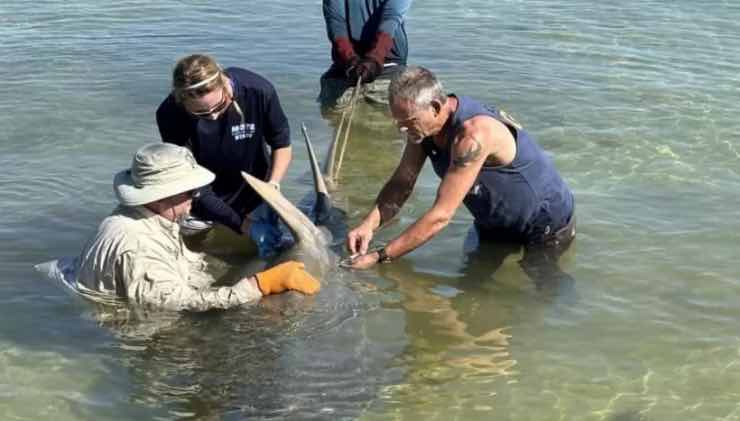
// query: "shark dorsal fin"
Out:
[323,205]
[318,177]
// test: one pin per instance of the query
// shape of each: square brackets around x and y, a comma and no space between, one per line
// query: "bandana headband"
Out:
[203,82]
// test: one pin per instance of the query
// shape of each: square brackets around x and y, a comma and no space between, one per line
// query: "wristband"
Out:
[383,256]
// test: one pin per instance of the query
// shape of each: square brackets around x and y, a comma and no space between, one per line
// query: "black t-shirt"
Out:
[229,145]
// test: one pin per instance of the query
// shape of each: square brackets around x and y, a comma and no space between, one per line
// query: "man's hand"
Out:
[371,65]
[366,70]
[358,240]
[365,261]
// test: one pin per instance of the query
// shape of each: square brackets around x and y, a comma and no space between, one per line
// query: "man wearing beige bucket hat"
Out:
[138,252]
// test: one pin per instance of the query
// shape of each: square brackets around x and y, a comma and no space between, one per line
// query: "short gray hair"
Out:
[418,85]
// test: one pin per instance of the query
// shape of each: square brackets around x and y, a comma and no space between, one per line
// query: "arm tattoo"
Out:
[387,212]
[390,200]
[472,154]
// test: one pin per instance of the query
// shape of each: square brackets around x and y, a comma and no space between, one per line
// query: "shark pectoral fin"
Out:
[298,223]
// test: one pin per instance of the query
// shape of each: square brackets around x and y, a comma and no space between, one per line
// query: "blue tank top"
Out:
[522,201]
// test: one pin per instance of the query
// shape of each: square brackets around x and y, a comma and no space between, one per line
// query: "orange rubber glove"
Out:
[290,275]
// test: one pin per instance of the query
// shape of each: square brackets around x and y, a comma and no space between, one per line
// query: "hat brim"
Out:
[130,195]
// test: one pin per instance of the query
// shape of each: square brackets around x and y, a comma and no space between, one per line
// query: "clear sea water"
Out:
[637,102]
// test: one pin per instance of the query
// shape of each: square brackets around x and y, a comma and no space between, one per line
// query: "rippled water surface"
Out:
[636,101]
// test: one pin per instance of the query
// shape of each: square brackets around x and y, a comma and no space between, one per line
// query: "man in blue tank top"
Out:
[486,161]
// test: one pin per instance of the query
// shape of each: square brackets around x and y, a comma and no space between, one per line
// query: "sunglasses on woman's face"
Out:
[216,109]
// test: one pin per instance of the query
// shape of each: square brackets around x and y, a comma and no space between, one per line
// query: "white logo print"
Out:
[242,131]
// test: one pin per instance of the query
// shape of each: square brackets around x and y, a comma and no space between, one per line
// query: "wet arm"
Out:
[397,190]
[277,136]
[156,282]
[211,207]
[280,160]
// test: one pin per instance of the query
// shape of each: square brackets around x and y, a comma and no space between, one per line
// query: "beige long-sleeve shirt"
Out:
[139,255]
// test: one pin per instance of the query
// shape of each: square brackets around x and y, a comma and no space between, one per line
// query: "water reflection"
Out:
[202,365]
[461,323]
[447,325]
[543,266]
[458,343]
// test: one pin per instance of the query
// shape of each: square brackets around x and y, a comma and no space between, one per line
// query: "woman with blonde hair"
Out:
[232,121]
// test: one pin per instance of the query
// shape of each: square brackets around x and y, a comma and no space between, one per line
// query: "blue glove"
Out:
[265,232]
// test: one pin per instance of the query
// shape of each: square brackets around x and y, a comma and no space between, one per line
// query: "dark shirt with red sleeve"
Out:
[361,20]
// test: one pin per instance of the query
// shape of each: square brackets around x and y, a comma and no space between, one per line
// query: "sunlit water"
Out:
[637,102]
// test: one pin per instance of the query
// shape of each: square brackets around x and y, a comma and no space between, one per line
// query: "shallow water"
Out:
[637,102]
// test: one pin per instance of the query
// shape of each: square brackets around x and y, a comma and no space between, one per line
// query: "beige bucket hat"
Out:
[159,170]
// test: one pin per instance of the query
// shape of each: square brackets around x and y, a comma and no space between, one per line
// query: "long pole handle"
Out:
[352,103]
